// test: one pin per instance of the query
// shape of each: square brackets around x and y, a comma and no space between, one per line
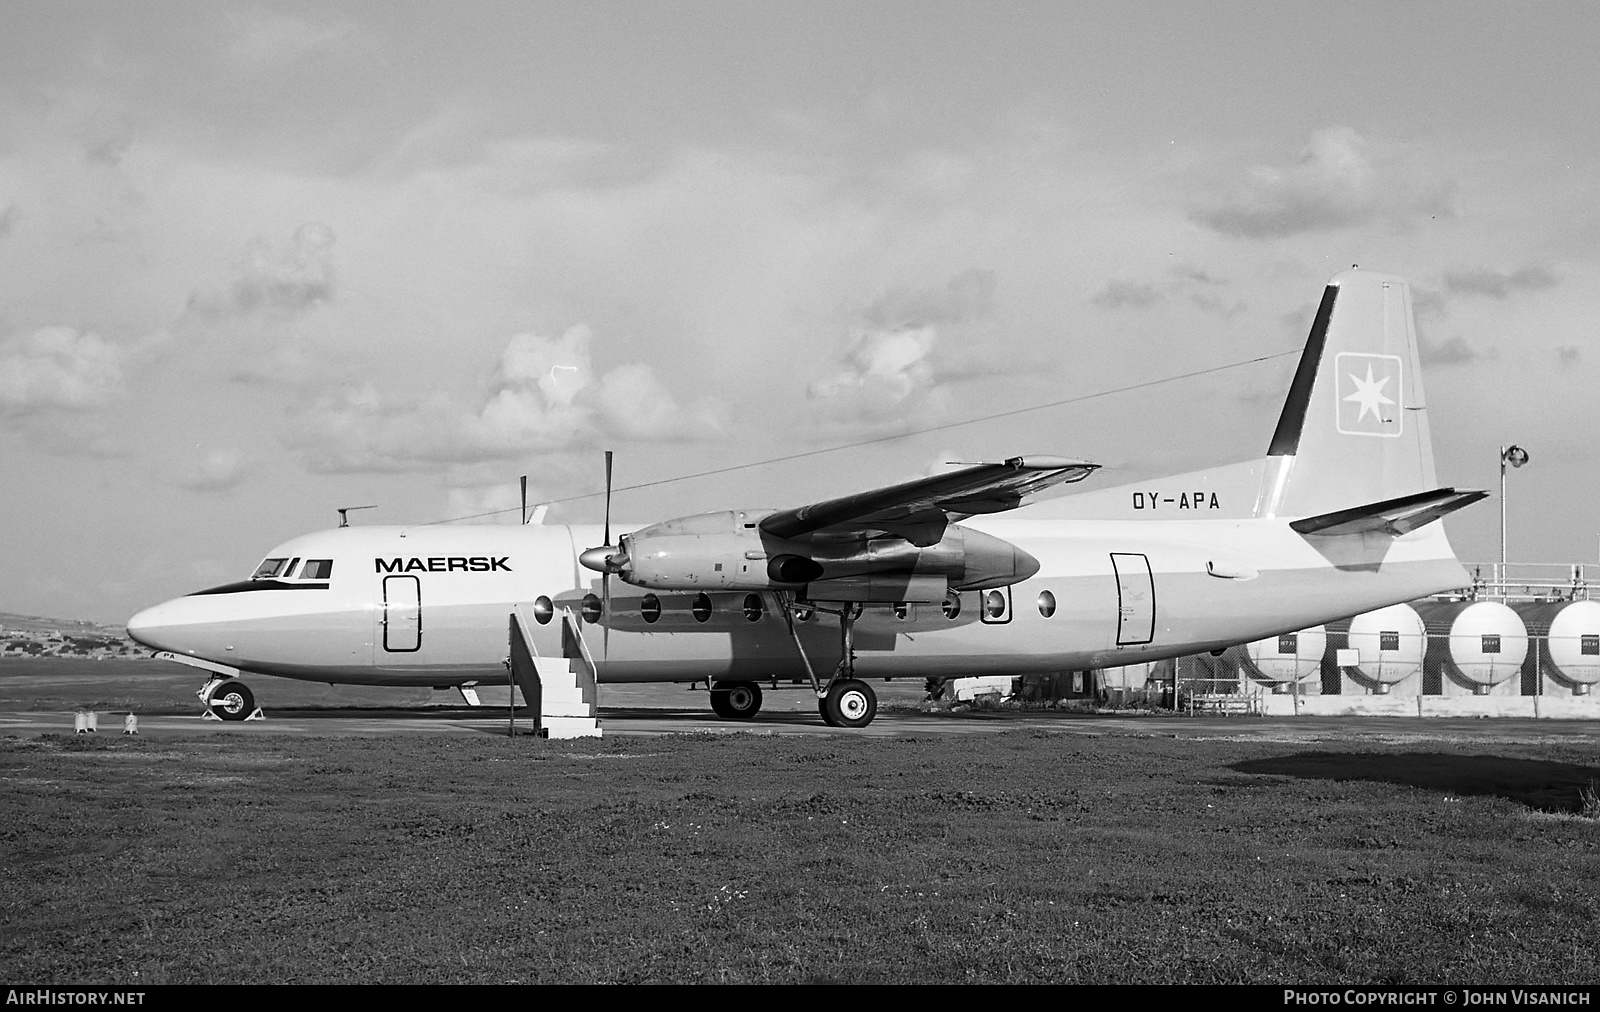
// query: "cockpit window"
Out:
[317,569]
[269,569]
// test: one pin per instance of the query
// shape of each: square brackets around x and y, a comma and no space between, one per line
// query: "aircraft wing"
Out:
[920,510]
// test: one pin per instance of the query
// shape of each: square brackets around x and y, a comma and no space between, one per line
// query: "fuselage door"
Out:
[402,614]
[1136,599]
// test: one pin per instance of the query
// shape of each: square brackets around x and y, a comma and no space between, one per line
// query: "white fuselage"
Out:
[431,605]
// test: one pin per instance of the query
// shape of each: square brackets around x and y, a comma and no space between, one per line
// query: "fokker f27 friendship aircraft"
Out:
[942,577]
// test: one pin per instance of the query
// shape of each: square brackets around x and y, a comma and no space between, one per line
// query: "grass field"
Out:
[1046,856]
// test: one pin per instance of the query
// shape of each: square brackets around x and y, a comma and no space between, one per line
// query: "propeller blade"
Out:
[605,577]
[608,497]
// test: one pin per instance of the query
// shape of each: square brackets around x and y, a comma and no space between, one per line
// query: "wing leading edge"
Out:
[920,510]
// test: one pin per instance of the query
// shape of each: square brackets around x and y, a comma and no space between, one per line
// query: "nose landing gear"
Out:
[228,699]
[231,700]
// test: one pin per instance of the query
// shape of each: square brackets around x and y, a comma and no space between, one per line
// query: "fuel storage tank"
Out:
[1384,652]
[1566,645]
[1475,648]
[1291,662]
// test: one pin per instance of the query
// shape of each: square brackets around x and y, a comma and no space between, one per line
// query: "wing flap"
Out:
[919,510]
[1392,516]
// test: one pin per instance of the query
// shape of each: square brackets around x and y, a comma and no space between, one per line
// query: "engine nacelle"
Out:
[728,551]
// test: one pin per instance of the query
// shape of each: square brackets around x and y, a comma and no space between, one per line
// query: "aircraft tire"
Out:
[850,703]
[736,700]
[232,700]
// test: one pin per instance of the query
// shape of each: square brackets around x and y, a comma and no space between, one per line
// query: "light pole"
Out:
[1516,456]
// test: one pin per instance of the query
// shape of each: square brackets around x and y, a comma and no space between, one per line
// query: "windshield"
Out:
[269,569]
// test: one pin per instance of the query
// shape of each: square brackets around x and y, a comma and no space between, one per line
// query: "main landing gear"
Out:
[736,700]
[848,703]
[844,700]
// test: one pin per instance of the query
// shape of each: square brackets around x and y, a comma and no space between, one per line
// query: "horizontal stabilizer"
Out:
[1392,516]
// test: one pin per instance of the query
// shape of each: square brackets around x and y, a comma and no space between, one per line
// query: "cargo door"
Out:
[402,614]
[1136,599]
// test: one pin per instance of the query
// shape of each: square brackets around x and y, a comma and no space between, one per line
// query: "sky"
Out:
[260,261]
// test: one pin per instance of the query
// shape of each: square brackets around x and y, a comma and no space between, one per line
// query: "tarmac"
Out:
[379,722]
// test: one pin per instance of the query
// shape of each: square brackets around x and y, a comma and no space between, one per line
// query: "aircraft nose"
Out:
[153,627]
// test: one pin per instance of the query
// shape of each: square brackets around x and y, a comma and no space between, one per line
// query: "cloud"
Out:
[1339,182]
[967,296]
[1569,355]
[1452,351]
[543,397]
[1426,301]
[1120,294]
[58,368]
[1212,303]
[1498,284]
[259,40]
[897,357]
[279,282]
[218,471]
[1200,287]
[497,503]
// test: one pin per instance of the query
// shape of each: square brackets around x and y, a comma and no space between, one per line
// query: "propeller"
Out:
[605,560]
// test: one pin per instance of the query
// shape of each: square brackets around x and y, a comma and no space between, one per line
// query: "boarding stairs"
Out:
[561,691]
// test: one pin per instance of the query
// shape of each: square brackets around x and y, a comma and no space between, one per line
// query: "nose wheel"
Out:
[229,700]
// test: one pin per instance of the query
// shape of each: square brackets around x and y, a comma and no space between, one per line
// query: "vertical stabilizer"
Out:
[1354,428]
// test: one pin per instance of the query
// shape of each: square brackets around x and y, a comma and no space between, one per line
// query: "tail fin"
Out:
[1354,429]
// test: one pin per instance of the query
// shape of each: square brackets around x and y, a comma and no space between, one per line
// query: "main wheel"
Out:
[850,703]
[232,700]
[736,700]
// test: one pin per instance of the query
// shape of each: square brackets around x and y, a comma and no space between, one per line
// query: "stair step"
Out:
[569,727]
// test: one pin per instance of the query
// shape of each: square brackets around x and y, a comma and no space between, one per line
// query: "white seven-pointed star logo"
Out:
[1369,394]
[1368,401]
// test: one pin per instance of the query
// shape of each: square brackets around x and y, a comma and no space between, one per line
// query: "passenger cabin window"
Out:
[994,604]
[317,569]
[752,608]
[701,608]
[590,608]
[1047,603]
[270,569]
[649,607]
[952,605]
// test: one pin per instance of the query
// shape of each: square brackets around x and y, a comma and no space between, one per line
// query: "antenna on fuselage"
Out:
[344,520]
[524,500]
